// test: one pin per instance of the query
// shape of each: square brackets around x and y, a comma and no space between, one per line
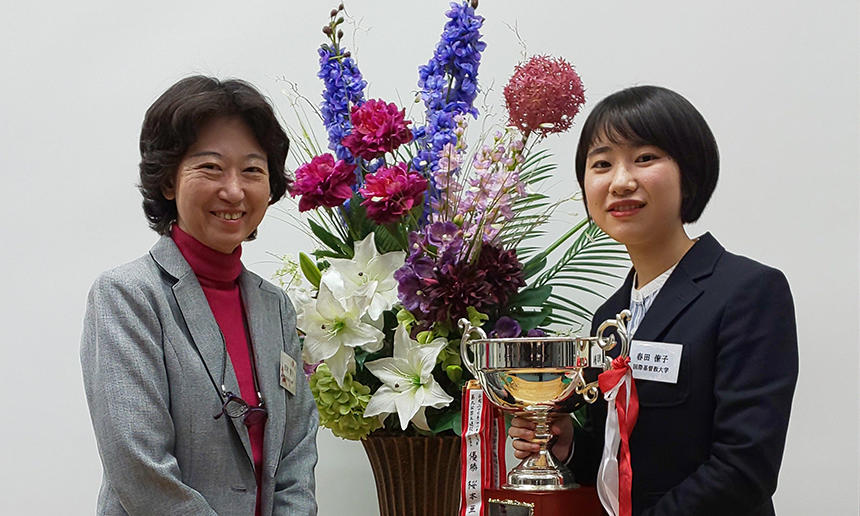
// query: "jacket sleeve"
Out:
[755,375]
[294,479]
[125,379]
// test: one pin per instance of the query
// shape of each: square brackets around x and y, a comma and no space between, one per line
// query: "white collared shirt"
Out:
[641,299]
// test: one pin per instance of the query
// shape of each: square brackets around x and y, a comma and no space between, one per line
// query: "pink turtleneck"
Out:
[218,274]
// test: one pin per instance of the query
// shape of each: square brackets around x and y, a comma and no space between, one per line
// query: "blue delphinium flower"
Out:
[343,86]
[449,83]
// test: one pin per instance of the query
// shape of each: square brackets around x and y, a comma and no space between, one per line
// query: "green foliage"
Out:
[335,244]
[588,261]
[476,318]
[310,270]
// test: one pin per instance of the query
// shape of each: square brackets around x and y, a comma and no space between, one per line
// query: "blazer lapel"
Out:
[263,313]
[681,288]
[205,335]
[614,304]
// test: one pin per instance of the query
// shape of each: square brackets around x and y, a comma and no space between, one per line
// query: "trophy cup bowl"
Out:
[540,378]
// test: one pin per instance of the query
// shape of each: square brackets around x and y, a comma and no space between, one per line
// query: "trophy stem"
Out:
[540,471]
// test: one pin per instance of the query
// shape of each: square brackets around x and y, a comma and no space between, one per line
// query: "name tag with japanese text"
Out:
[656,361]
[288,373]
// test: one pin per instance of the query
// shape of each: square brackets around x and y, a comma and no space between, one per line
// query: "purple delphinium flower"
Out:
[536,332]
[506,327]
[343,86]
[455,63]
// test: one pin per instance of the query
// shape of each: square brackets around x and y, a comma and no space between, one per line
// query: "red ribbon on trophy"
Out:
[615,476]
[482,453]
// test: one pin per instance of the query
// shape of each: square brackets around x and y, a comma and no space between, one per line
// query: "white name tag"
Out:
[657,361]
[288,373]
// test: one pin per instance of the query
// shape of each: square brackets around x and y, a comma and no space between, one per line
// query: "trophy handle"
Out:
[468,330]
[620,325]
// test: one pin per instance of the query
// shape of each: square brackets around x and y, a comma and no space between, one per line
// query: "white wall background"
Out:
[777,80]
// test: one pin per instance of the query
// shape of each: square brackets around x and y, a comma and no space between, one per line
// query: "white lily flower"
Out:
[408,384]
[301,298]
[368,273]
[333,329]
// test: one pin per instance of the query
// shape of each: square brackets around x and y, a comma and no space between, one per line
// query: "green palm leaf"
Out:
[585,268]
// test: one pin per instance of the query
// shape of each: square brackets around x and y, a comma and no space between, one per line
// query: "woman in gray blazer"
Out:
[191,363]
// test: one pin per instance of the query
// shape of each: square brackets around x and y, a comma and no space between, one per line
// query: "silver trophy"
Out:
[539,378]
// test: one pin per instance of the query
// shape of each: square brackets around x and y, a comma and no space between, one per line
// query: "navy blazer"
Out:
[713,442]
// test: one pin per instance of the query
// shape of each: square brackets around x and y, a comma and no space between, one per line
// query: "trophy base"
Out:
[540,479]
[571,501]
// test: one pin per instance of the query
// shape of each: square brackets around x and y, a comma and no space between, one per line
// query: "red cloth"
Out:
[218,274]
[628,413]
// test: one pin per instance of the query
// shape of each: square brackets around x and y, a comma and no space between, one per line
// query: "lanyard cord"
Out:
[223,392]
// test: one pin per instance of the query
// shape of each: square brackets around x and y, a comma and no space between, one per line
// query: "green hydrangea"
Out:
[342,408]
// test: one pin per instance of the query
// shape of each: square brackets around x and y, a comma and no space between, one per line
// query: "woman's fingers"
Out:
[523,449]
[522,431]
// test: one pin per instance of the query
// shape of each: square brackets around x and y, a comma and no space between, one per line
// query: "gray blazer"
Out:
[152,356]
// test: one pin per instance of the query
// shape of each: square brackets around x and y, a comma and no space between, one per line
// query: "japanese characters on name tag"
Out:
[288,373]
[656,361]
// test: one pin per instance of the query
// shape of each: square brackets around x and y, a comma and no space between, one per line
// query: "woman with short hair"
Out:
[191,362]
[710,441]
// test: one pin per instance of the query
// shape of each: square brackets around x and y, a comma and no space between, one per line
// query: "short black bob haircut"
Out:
[651,115]
[171,125]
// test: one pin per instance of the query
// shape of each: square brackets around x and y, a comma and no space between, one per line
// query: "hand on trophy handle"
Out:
[522,433]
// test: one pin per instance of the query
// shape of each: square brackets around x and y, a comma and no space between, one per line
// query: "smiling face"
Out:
[633,192]
[222,185]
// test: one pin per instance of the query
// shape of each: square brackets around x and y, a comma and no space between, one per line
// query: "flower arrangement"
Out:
[414,231]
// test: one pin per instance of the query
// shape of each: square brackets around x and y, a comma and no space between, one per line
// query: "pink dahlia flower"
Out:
[377,128]
[391,192]
[323,182]
[544,95]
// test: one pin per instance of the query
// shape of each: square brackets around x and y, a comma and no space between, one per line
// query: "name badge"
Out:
[288,373]
[656,361]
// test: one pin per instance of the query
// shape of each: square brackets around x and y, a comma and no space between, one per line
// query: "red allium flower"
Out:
[323,182]
[391,192]
[377,128]
[544,95]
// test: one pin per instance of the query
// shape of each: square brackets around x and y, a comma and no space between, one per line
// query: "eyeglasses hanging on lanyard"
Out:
[234,406]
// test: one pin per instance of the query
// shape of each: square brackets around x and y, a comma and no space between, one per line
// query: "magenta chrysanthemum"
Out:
[323,182]
[377,128]
[391,192]
[544,95]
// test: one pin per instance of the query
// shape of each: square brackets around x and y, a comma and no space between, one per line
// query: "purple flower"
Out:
[506,327]
[504,273]
[455,63]
[441,288]
[446,236]
[343,86]
[310,369]
[536,332]
[414,279]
